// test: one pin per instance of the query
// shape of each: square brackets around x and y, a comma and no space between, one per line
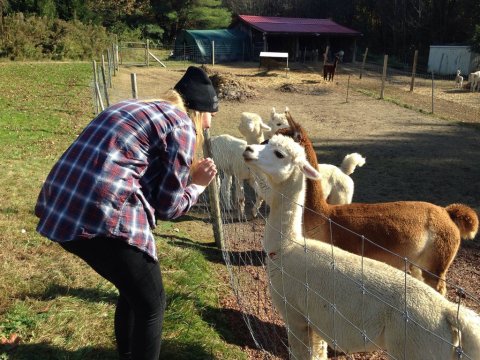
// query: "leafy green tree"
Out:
[174,15]
[47,8]
[475,41]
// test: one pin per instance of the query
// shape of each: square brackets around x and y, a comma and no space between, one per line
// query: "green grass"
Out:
[58,306]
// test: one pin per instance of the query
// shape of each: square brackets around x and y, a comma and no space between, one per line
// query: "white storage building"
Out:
[445,60]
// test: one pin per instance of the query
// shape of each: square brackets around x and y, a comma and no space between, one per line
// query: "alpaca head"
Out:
[279,159]
[298,133]
[277,120]
[252,124]
[458,72]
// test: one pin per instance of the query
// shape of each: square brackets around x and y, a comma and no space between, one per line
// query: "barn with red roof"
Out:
[302,38]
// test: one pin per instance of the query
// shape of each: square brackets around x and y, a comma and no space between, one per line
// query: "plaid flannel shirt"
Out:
[130,163]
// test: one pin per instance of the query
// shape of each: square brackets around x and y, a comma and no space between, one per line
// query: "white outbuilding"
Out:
[446,59]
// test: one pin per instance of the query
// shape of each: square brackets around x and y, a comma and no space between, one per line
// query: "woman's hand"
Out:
[204,172]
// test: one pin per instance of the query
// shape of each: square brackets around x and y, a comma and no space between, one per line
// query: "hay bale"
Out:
[229,87]
[288,88]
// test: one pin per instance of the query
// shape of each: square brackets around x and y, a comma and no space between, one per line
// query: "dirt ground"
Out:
[410,156]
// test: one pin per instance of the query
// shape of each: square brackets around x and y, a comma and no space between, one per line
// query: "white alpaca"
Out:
[354,304]
[474,80]
[337,185]
[277,121]
[459,80]
[252,127]
[227,153]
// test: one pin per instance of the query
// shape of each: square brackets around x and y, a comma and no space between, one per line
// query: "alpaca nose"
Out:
[248,149]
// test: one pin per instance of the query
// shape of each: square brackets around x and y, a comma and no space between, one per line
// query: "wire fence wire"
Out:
[246,259]
[424,91]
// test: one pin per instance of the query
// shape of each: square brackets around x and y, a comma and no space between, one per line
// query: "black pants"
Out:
[141,304]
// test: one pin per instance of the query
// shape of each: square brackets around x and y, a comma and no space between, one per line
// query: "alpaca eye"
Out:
[279,124]
[279,154]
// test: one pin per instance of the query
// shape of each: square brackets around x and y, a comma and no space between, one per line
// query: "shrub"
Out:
[36,38]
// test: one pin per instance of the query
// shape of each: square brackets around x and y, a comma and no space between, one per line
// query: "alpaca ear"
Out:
[297,134]
[265,127]
[273,111]
[309,171]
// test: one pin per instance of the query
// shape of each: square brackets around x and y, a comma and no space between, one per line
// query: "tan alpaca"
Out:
[427,234]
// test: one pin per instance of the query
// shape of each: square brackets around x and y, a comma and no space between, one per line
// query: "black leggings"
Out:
[141,303]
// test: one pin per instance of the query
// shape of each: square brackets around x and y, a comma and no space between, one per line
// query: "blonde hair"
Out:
[176,99]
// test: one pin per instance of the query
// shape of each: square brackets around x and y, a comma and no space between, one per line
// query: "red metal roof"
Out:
[271,24]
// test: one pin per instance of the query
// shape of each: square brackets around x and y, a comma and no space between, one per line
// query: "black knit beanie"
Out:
[197,90]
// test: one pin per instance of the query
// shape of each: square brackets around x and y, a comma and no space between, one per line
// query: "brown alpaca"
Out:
[426,234]
[329,70]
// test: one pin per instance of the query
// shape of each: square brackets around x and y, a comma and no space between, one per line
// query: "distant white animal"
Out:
[474,80]
[459,80]
[328,295]
[253,128]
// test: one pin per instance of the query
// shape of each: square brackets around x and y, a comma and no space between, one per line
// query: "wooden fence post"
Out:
[433,90]
[95,82]
[105,88]
[363,62]
[414,70]
[117,56]
[116,52]
[214,198]
[133,79]
[147,58]
[384,76]
[348,87]
[99,96]
[113,61]
[109,57]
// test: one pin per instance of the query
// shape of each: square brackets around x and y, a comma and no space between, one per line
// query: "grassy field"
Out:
[54,305]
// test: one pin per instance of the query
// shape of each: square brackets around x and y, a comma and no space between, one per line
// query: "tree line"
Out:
[396,27]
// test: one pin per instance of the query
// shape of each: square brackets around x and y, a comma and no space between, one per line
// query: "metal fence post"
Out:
[213,53]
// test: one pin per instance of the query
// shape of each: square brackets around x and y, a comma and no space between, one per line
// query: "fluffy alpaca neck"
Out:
[259,139]
[285,217]
[314,199]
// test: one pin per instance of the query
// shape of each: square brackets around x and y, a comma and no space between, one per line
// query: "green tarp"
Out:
[196,45]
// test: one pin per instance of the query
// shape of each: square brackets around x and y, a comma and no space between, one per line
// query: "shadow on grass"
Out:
[231,324]
[44,351]
[171,349]
[177,350]
[87,294]
[213,254]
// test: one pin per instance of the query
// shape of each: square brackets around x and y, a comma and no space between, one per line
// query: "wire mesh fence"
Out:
[246,259]
[417,89]
[251,279]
